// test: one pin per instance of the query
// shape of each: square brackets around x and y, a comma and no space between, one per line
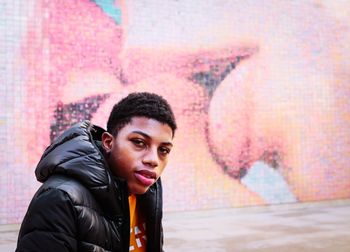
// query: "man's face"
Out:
[139,152]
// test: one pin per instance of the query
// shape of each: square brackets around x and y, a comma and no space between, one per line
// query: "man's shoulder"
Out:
[76,191]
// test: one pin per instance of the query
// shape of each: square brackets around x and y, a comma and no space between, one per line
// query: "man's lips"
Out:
[146,177]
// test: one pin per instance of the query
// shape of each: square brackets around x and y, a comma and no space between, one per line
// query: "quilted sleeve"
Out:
[50,224]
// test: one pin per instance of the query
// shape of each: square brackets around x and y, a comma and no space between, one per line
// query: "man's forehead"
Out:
[150,128]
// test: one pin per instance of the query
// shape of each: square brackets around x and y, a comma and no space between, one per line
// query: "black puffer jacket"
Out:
[80,206]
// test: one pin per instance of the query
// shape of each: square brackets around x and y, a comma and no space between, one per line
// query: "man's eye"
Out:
[138,142]
[164,150]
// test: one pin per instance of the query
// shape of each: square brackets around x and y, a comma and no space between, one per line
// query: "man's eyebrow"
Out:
[148,137]
[168,143]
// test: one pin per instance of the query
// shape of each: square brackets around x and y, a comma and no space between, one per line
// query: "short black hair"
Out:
[144,104]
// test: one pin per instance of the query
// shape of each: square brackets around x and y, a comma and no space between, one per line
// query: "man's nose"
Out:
[151,157]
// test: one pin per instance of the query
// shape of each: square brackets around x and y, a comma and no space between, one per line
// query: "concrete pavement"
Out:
[307,227]
[322,226]
[8,237]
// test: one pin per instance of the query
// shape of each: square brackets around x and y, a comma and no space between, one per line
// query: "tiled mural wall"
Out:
[260,90]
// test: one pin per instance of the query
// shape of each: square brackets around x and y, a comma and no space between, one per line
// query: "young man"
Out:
[101,189]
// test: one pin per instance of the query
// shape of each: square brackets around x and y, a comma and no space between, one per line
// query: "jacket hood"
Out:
[76,154]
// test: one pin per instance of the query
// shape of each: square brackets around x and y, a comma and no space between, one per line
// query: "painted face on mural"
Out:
[139,152]
[255,85]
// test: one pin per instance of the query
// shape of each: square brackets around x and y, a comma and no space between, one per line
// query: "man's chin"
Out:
[138,189]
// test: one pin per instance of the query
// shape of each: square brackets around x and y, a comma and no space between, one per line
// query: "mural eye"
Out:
[210,72]
[67,114]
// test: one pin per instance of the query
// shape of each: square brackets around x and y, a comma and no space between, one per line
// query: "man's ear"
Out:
[107,141]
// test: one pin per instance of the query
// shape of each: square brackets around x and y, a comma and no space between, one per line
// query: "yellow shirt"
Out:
[137,227]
